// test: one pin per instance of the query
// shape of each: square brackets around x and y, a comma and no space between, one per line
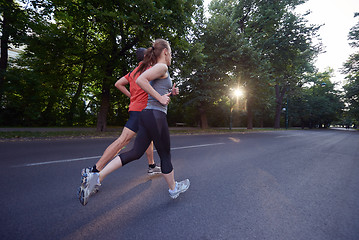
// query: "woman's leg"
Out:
[156,124]
[115,164]
[170,179]
[161,139]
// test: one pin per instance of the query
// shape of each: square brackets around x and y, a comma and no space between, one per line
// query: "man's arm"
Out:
[121,85]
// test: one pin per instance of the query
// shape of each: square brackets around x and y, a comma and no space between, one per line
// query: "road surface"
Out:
[268,185]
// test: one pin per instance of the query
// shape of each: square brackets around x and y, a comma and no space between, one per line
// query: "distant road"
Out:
[271,185]
[45,129]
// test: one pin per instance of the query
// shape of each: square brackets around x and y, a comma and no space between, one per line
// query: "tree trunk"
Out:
[4,51]
[249,114]
[278,110]
[104,107]
[279,93]
[48,117]
[204,122]
[261,120]
[105,96]
[107,83]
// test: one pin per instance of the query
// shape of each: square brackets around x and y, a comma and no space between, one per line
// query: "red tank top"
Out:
[138,100]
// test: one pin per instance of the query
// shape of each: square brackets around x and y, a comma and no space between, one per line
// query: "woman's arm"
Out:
[120,84]
[157,71]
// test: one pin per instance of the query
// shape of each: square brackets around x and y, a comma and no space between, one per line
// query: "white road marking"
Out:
[87,158]
[57,161]
[285,136]
[196,146]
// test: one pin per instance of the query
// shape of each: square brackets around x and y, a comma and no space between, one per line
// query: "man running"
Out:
[138,101]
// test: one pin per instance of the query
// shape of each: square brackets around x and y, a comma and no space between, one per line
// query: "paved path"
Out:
[270,185]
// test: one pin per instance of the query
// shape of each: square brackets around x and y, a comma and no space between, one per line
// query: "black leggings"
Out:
[152,127]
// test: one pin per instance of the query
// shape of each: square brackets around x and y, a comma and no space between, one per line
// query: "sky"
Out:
[337,17]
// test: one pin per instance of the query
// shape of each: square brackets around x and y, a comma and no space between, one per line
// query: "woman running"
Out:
[138,101]
[153,125]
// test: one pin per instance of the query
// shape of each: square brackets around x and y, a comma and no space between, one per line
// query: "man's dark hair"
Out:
[140,54]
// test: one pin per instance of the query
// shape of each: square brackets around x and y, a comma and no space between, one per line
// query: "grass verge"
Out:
[32,135]
[53,134]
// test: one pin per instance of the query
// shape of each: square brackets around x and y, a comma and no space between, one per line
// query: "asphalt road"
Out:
[270,185]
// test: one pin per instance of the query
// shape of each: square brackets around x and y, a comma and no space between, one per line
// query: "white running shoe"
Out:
[86,170]
[153,171]
[90,184]
[181,187]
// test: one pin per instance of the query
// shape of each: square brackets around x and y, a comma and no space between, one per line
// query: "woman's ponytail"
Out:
[152,54]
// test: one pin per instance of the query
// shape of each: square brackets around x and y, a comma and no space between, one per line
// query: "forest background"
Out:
[73,51]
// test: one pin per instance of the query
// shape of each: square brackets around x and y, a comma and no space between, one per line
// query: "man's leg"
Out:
[115,148]
[149,154]
[152,167]
[140,145]
[92,180]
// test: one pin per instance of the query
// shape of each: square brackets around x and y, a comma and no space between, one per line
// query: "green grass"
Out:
[30,135]
[53,134]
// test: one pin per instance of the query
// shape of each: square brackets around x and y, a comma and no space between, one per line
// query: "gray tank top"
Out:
[162,86]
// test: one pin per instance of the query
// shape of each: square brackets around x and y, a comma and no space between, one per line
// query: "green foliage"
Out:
[353,36]
[252,44]
[13,22]
[352,96]
[318,104]
[76,50]
[351,68]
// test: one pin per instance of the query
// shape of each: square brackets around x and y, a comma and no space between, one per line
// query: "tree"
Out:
[122,30]
[249,43]
[317,104]
[256,23]
[224,51]
[351,68]
[75,50]
[13,26]
[290,53]
[208,80]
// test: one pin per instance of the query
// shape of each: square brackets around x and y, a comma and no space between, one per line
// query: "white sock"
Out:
[98,178]
[174,190]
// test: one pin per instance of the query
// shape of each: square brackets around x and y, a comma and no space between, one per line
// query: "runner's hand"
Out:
[175,90]
[165,99]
